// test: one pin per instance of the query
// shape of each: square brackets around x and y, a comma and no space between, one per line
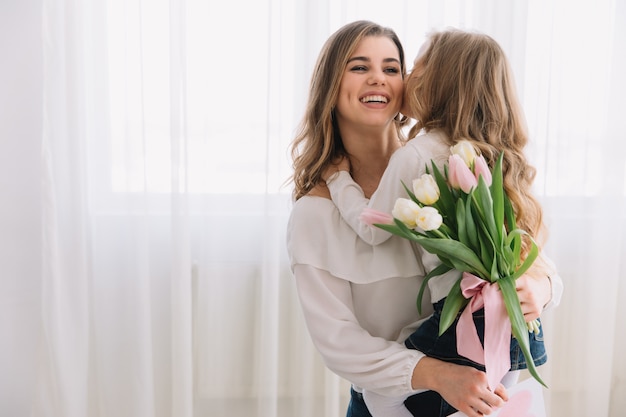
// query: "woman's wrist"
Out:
[422,374]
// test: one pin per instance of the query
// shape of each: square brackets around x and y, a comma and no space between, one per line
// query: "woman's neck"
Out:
[369,156]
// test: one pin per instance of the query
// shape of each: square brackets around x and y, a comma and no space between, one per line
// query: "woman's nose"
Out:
[377,78]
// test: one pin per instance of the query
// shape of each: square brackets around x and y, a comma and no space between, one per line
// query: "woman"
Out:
[461,92]
[359,300]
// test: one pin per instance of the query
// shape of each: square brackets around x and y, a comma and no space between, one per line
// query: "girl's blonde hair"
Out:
[465,87]
[318,140]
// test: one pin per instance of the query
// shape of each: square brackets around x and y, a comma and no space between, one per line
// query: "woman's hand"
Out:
[463,387]
[533,293]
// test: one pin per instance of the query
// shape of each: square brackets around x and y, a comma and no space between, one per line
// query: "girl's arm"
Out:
[404,166]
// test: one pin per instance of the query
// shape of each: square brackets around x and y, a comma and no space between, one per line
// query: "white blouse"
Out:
[359,301]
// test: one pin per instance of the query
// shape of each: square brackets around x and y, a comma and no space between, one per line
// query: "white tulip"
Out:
[466,151]
[426,190]
[429,219]
[406,211]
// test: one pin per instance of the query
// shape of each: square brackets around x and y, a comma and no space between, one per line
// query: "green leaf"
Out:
[509,214]
[506,261]
[497,194]
[495,274]
[447,231]
[470,225]
[460,221]
[530,258]
[487,249]
[411,195]
[462,257]
[446,261]
[401,230]
[392,228]
[445,204]
[452,305]
[439,270]
[484,204]
[518,324]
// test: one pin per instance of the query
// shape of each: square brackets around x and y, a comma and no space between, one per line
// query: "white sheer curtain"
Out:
[143,149]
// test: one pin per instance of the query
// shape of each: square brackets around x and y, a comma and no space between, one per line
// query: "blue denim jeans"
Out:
[357,407]
[425,404]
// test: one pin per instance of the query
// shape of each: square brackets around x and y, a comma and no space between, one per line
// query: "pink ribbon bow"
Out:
[496,355]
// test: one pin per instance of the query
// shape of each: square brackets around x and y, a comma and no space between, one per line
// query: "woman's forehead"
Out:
[376,47]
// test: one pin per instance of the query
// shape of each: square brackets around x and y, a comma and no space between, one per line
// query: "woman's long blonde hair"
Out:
[465,87]
[318,140]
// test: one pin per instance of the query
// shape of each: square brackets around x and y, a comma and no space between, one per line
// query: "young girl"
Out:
[460,88]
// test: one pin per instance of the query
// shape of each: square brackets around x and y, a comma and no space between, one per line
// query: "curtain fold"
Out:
[64,363]
[181,284]
[162,279]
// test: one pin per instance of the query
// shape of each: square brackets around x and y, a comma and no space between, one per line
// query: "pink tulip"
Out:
[460,174]
[371,217]
[481,168]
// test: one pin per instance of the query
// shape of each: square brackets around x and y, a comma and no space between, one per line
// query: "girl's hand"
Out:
[338,164]
[533,293]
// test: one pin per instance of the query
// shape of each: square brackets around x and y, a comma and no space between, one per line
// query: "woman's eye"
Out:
[364,68]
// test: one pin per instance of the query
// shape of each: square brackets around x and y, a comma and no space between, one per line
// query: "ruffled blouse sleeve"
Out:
[346,348]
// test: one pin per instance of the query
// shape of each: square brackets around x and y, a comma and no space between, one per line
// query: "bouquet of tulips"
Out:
[463,216]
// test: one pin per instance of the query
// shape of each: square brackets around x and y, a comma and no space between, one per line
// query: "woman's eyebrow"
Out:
[366,59]
[359,58]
